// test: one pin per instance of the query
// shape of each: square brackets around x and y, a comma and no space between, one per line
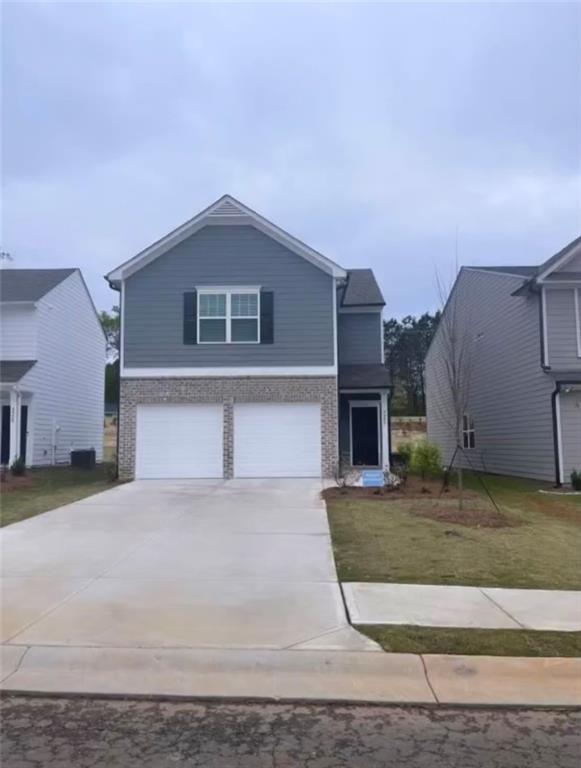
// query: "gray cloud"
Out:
[370,131]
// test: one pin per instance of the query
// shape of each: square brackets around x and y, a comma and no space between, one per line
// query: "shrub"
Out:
[18,467]
[576,480]
[405,453]
[425,460]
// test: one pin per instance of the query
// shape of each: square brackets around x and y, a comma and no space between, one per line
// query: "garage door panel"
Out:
[277,440]
[179,441]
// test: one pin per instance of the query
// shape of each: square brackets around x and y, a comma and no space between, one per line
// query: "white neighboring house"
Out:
[52,363]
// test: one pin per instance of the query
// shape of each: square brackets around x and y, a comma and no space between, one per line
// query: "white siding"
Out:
[510,395]
[18,332]
[67,381]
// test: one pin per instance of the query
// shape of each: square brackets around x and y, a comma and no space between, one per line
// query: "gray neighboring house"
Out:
[246,353]
[523,405]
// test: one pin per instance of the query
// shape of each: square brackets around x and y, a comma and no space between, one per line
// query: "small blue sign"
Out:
[372,478]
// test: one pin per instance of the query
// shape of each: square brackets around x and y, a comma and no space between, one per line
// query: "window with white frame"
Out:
[229,316]
[468,433]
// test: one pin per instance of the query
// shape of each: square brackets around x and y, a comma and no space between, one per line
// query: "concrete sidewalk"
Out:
[463,607]
[340,676]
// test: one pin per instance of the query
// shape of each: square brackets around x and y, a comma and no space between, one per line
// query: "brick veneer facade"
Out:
[228,391]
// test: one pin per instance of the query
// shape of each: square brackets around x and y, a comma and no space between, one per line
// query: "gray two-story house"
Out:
[508,350]
[246,353]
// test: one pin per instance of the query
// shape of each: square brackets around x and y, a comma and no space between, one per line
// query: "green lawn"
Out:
[52,487]
[388,540]
[481,642]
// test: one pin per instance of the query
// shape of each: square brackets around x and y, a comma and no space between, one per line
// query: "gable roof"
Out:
[364,376]
[535,275]
[560,259]
[226,210]
[12,371]
[361,289]
[30,284]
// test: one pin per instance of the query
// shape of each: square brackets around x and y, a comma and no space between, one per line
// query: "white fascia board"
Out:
[560,263]
[247,216]
[178,373]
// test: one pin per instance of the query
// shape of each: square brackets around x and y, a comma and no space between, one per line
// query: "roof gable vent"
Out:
[226,208]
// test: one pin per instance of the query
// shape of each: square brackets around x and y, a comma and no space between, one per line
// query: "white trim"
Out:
[381,344]
[228,316]
[366,404]
[335,323]
[545,327]
[384,431]
[15,405]
[244,215]
[198,373]
[231,288]
[121,325]
[578,320]
[376,391]
[560,439]
[560,262]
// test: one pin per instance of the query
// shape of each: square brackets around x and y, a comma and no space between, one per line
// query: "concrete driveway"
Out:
[178,564]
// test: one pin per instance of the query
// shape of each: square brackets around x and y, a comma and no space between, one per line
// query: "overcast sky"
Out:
[372,132]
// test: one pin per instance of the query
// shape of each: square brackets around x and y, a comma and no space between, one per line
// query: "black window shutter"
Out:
[190,318]
[266,317]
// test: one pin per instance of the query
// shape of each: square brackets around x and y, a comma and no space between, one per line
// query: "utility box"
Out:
[84,459]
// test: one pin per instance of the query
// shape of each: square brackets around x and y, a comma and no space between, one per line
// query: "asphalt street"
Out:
[98,733]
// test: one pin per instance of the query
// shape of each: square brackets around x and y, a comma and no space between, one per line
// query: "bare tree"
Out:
[455,368]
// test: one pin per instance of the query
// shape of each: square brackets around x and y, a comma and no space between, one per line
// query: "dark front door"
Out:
[5,445]
[365,436]
[5,457]
[23,430]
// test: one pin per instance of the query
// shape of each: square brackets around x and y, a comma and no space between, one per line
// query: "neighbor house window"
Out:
[228,316]
[468,435]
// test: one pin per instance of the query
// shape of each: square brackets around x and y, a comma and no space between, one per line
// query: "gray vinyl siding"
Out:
[570,403]
[561,329]
[510,394]
[571,266]
[359,338]
[228,256]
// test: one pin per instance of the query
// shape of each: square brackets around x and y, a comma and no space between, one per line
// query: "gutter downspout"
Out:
[556,433]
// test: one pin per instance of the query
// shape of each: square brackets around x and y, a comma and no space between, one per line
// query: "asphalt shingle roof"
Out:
[361,289]
[364,376]
[29,284]
[12,371]
[520,271]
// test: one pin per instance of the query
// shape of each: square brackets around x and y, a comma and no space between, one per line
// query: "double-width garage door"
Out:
[270,440]
[277,440]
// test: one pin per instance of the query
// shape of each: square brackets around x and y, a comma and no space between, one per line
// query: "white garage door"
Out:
[277,440]
[179,441]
